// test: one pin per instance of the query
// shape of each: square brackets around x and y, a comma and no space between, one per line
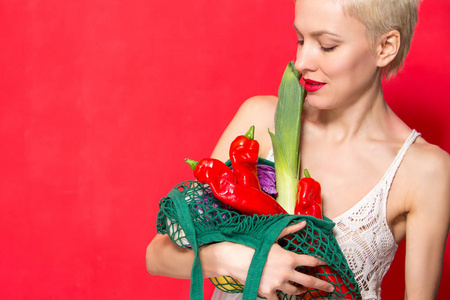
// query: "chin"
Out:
[320,103]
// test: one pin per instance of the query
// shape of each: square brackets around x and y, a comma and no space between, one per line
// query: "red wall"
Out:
[100,102]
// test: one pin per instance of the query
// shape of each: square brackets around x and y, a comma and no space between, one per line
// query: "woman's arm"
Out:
[164,258]
[257,111]
[427,225]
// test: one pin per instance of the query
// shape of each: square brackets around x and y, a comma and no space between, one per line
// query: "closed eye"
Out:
[328,49]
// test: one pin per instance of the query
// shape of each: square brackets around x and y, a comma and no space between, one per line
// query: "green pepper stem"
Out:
[191,162]
[251,133]
[307,174]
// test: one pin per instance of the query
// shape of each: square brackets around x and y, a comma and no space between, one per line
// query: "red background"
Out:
[102,99]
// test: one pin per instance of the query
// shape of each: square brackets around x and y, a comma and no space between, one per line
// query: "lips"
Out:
[311,85]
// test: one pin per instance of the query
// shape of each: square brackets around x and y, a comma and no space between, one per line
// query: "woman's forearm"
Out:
[165,258]
[226,258]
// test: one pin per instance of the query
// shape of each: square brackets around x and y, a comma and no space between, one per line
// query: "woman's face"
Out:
[337,63]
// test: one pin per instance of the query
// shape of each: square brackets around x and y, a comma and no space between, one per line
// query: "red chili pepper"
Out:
[223,184]
[244,152]
[309,201]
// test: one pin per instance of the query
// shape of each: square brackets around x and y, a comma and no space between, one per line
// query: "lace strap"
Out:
[390,174]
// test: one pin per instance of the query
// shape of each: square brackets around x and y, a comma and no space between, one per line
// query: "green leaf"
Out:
[285,141]
[280,156]
[286,182]
[291,96]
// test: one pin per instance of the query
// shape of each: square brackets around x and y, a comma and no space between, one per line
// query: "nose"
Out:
[306,59]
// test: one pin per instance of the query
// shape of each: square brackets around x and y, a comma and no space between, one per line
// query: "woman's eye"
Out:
[328,49]
[300,42]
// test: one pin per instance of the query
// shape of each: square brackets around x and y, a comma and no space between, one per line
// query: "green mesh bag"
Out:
[191,216]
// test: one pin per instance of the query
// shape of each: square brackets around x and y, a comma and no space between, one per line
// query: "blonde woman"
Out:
[381,181]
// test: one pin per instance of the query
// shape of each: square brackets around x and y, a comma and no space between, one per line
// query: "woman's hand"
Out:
[279,271]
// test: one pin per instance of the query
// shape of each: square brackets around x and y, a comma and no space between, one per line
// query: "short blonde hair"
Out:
[382,16]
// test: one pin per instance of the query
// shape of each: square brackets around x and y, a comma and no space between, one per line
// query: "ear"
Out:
[387,48]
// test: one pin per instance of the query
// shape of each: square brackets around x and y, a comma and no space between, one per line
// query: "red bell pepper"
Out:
[340,287]
[309,201]
[244,152]
[223,184]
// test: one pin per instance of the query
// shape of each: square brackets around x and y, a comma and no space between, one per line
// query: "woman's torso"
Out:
[349,172]
[363,233]
[348,168]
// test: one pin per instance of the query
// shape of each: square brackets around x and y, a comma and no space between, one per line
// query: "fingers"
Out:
[308,280]
[291,289]
[307,261]
[279,271]
[292,229]
[311,282]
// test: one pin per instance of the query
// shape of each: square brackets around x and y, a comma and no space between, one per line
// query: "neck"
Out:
[367,114]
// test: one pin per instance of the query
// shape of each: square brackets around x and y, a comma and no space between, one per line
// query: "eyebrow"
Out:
[320,32]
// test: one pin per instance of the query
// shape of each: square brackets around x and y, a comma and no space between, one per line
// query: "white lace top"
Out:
[363,234]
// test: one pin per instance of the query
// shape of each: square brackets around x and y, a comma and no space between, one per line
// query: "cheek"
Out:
[353,67]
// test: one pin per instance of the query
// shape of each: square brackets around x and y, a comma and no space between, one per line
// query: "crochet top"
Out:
[363,234]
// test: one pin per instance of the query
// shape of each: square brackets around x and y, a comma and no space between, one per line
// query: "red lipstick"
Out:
[311,85]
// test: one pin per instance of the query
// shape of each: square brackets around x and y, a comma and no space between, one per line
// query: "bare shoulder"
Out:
[430,160]
[258,108]
[256,111]
[262,101]
[428,169]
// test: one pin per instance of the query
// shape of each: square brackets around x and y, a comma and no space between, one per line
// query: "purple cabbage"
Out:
[267,180]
